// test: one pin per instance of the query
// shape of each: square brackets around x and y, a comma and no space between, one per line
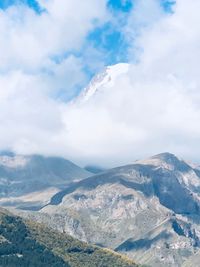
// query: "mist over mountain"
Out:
[34,178]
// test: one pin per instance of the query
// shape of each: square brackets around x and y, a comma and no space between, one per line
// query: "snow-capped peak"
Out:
[106,78]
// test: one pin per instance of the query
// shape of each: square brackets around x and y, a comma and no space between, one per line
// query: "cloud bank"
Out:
[152,108]
[40,69]
[155,106]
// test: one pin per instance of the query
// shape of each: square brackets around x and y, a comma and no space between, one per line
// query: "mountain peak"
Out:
[166,156]
[105,78]
[165,160]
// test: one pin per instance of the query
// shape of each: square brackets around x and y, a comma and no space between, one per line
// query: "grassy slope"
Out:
[25,243]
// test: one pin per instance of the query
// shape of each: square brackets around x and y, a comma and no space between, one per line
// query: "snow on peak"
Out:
[106,78]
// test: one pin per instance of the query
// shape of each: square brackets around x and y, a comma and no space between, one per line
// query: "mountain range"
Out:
[148,210]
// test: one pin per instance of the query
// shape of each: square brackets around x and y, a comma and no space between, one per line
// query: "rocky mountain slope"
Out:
[148,210]
[24,243]
[34,179]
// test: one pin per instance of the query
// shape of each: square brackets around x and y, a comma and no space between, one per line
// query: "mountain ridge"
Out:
[148,210]
[160,193]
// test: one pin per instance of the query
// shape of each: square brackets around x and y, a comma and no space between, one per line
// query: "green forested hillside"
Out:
[27,244]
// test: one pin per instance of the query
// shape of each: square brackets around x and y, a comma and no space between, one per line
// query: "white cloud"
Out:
[30,40]
[26,113]
[44,45]
[155,106]
[152,108]
[38,69]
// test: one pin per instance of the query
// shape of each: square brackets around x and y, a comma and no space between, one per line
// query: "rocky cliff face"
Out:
[148,208]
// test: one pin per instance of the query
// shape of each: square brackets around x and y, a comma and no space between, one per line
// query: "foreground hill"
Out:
[31,180]
[148,210]
[24,243]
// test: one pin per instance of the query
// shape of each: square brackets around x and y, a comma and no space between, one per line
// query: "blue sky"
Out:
[108,38]
[32,3]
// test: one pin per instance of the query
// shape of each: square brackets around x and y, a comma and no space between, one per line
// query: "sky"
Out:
[50,50]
